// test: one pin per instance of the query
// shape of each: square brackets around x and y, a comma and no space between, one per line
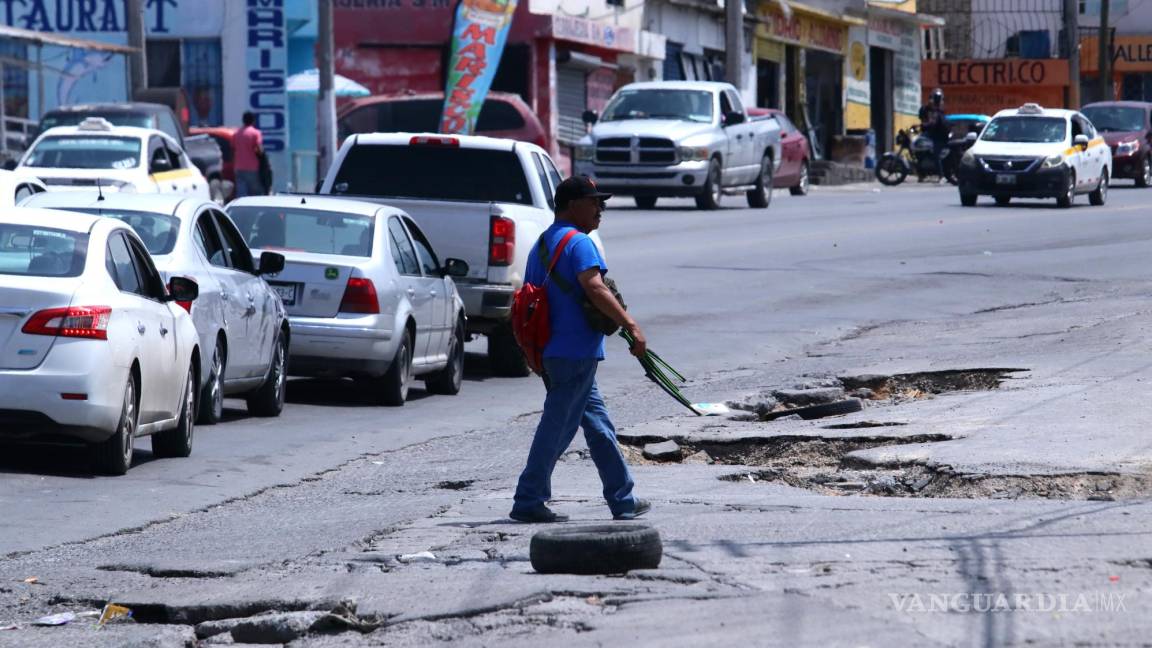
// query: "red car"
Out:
[503,115]
[223,137]
[1126,128]
[794,168]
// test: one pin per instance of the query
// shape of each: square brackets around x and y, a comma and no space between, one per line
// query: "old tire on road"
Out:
[837,408]
[761,194]
[177,442]
[504,354]
[709,197]
[600,549]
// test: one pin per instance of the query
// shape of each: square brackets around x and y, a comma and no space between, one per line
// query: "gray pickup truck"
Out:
[680,138]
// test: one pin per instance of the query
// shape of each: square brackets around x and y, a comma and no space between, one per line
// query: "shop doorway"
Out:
[880,69]
[767,84]
[823,84]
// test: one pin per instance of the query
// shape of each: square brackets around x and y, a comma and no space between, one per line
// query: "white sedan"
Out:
[243,326]
[365,293]
[99,156]
[93,346]
[15,187]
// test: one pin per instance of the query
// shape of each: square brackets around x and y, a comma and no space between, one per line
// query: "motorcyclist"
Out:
[934,124]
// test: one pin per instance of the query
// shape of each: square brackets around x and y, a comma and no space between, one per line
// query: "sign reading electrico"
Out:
[266,56]
[478,40]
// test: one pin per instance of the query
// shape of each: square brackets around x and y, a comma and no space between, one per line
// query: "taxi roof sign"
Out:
[1031,109]
[95,124]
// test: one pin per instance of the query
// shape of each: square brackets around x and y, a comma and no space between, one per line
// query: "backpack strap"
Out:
[542,250]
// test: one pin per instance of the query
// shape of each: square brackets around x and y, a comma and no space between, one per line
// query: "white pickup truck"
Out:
[479,199]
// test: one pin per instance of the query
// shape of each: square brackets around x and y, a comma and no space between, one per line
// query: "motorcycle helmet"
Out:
[937,96]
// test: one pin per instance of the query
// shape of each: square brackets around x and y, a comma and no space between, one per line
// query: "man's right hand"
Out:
[640,346]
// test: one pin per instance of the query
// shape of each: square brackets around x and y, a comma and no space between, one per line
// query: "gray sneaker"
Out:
[642,507]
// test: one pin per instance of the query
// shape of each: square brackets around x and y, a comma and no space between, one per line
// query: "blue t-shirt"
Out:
[572,337]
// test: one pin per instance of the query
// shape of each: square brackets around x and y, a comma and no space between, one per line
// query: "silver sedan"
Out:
[366,295]
[239,317]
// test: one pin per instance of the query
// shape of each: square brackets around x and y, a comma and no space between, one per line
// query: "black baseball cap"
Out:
[575,188]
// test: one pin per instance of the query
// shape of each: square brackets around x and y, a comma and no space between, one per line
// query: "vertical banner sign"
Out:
[478,39]
[267,57]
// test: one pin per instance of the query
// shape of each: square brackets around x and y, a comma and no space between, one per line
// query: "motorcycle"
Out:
[914,152]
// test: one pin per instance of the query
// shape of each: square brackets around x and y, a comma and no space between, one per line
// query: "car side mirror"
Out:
[10,165]
[271,263]
[1081,141]
[455,268]
[159,165]
[971,137]
[732,117]
[182,289]
[590,117]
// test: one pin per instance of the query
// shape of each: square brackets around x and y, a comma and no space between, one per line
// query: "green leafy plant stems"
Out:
[654,369]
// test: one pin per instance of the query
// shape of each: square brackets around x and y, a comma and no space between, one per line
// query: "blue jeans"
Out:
[248,184]
[574,401]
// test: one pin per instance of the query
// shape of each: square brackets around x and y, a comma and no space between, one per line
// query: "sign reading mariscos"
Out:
[1010,72]
[478,40]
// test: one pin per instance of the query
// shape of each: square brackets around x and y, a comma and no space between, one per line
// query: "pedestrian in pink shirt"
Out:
[248,146]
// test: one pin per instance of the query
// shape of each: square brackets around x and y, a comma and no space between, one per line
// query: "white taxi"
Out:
[1033,152]
[98,155]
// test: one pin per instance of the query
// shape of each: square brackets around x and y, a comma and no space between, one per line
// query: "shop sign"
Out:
[858,84]
[478,41]
[80,17]
[805,31]
[1129,54]
[886,32]
[591,32]
[906,75]
[999,72]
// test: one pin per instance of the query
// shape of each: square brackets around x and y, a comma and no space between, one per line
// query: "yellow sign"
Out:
[803,30]
[858,59]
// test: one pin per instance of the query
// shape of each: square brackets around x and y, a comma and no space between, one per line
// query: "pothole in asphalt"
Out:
[455,485]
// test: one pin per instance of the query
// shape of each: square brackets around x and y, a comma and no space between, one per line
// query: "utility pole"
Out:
[137,65]
[326,105]
[1072,43]
[1105,47]
[734,43]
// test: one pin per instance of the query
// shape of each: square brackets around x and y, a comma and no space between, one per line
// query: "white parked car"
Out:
[92,344]
[243,326]
[126,159]
[1033,152]
[15,187]
[366,294]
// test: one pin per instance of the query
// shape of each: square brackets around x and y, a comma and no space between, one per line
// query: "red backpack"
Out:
[530,324]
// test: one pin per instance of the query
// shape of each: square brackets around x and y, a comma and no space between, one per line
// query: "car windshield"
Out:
[159,232]
[41,251]
[304,230]
[1031,130]
[1116,118]
[433,173]
[85,152]
[684,105]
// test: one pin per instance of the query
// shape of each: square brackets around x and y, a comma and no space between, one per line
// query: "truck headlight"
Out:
[1053,161]
[968,159]
[1127,148]
[585,153]
[693,153]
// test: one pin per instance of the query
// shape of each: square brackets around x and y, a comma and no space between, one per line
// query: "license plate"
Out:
[287,293]
[1005,179]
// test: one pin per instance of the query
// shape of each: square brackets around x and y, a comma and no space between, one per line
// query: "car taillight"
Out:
[360,297]
[90,322]
[502,245]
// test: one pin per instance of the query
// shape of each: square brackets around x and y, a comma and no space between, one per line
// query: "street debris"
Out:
[62,618]
[666,451]
[423,556]
[32,580]
[113,612]
[600,549]
[711,409]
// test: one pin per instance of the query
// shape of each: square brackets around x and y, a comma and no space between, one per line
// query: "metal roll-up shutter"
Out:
[572,100]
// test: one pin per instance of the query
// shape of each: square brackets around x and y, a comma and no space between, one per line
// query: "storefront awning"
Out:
[814,12]
[40,38]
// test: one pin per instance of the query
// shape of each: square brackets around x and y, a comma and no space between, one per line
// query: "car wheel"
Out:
[601,549]
[504,354]
[709,198]
[1100,196]
[801,187]
[212,396]
[1145,177]
[645,202]
[177,442]
[761,195]
[1065,201]
[968,200]
[448,380]
[113,456]
[394,385]
[269,399]
[1002,201]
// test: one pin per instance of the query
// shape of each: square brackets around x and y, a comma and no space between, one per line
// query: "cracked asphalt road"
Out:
[313,511]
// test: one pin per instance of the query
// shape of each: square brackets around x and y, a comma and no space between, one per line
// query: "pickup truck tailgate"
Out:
[456,230]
